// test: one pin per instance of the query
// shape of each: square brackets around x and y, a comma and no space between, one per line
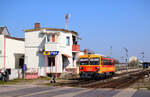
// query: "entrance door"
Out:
[21,62]
[65,62]
[51,61]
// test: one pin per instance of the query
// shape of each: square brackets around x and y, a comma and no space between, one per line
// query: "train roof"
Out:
[95,55]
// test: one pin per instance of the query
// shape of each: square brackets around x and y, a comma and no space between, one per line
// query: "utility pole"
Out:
[126,59]
[142,53]
[122,58]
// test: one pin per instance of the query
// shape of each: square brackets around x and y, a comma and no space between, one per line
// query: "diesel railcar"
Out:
[96,66]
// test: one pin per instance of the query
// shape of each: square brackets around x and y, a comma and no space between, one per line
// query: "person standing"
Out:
[52,80]
[24,69]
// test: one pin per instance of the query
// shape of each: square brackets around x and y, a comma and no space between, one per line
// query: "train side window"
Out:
[94,61]
[107,62]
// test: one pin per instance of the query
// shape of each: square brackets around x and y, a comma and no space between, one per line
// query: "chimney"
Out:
[37,25]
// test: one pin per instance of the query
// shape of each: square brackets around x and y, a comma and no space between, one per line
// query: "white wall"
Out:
[15,73]
[66,49]
[12,47]
[33,41]
[2,51]
[34,59]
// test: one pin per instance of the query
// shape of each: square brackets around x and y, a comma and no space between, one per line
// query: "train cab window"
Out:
[84,61]
[94,61]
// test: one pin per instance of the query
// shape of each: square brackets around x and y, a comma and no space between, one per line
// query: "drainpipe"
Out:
[45,64]
[4,52]
[56,66]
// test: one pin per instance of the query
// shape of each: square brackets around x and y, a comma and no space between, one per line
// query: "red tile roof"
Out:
[10,37]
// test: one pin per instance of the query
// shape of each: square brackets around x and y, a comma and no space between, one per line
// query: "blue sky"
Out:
[100,23]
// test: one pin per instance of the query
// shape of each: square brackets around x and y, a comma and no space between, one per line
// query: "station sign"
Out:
[50,52]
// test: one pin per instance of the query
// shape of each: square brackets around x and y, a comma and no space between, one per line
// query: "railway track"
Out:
[76,83]
[122,80]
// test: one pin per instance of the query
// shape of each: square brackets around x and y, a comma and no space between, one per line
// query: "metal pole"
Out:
[126,50]
[45,65]
[142,56]
[56,66]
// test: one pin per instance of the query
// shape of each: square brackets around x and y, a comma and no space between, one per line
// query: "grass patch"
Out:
[49,84]
[15,81]
[44,78]
[10,82]
[25,81]
[148,87]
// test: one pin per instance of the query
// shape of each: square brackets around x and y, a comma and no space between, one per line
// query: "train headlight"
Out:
[97,68]
[81,68]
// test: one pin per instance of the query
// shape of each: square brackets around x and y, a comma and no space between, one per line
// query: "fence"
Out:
[121,67]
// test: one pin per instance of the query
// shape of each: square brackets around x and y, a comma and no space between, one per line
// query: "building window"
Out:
[67,41]
[74,39]
[50,38]
[51,61]
[53,38]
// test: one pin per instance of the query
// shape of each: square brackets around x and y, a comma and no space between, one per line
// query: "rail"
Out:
[121,80]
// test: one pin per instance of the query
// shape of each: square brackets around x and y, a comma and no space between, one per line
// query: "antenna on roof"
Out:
[67,20]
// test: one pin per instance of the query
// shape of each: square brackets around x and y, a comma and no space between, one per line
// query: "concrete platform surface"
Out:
[48,91]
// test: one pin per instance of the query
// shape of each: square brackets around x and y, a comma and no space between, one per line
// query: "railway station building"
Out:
[50,50]
[11,52]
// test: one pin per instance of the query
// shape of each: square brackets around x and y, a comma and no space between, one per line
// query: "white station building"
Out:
[50,50]
[11,52]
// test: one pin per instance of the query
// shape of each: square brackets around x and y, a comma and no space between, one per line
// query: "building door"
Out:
[65,62]
[51,63]
[21,62]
